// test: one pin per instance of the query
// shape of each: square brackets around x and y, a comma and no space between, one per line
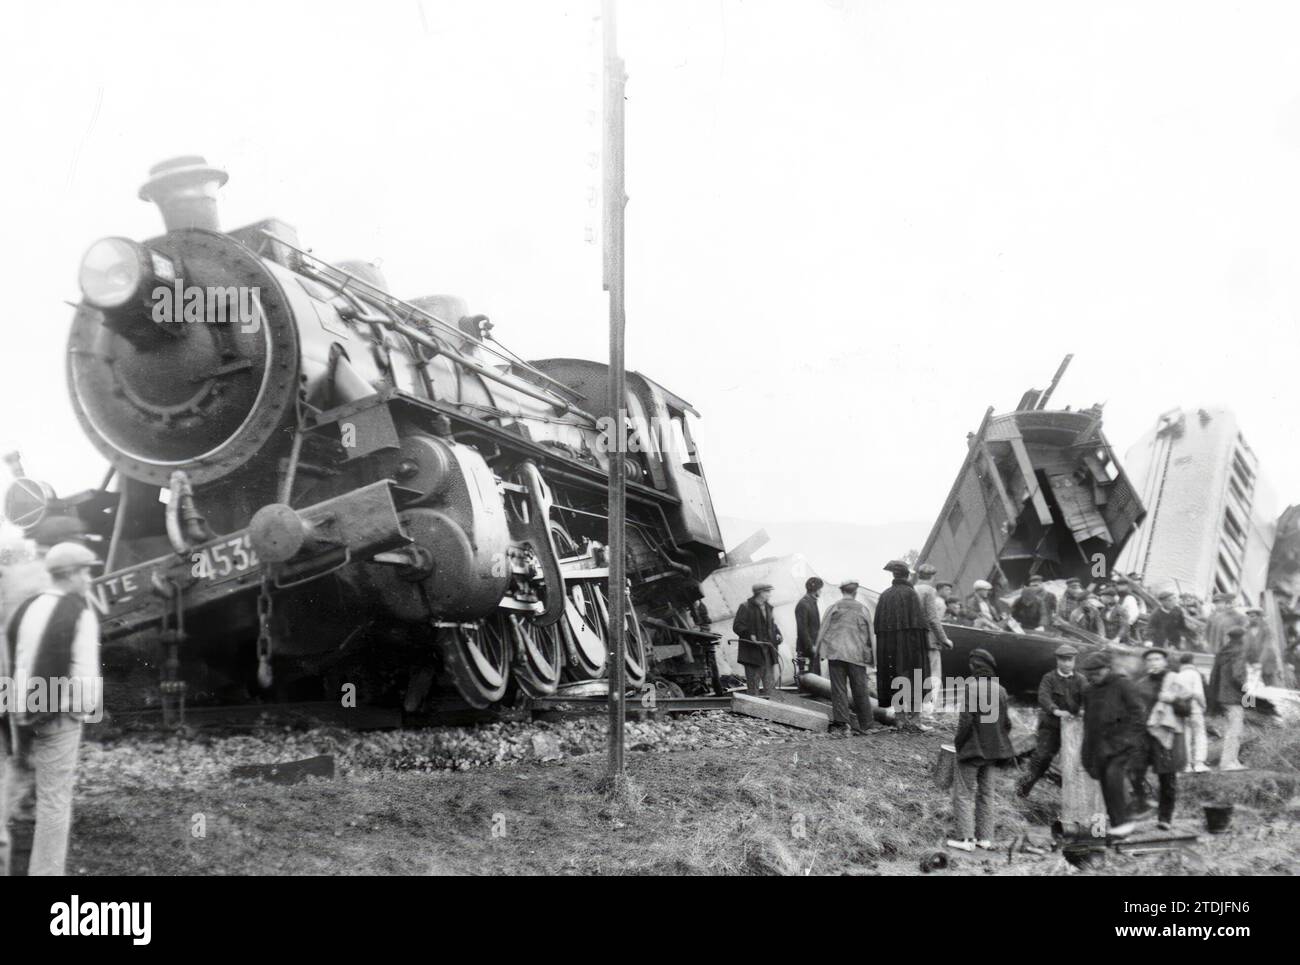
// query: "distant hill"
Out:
[834,550]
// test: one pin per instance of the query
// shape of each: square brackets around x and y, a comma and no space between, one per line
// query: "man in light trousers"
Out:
[51,653]
[934,608]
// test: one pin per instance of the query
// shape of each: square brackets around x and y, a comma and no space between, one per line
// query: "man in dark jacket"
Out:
[1087,615]
[808,621]
[1060,695]
[1166,626]
[983,741]
[1034,608]
[1165,761]
[1114,619]
[1224,695]
[758,637]
[902,648]
[1114,729]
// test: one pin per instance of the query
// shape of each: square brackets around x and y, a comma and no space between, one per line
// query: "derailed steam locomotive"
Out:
[319,482]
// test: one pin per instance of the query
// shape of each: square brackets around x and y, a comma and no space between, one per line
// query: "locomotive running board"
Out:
[362,522]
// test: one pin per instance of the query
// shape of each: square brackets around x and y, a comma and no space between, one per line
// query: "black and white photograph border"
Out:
[604,437]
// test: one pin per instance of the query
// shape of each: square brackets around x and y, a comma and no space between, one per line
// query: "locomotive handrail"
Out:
[374,292]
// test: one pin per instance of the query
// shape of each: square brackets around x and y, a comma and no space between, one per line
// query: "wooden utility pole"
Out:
[615,200]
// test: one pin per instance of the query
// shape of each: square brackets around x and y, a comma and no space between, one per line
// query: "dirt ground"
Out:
[784,803]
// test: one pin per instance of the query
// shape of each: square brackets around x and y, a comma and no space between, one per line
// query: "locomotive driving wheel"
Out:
[478,656]
[538,655]
[635,659]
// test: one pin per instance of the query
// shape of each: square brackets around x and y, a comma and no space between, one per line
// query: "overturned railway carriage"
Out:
[318,481]
[1040,492]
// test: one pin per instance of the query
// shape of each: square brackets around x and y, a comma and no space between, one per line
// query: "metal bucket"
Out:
[1218,817]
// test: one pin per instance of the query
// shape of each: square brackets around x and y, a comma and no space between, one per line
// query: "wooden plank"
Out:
[1081,800]
[780,712]
[1031,481]
[991,466]
[290,772]
[1078,508]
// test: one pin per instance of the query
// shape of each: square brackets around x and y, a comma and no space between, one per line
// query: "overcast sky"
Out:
[852,227]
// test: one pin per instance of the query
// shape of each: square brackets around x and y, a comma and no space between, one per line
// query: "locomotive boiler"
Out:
[319,483]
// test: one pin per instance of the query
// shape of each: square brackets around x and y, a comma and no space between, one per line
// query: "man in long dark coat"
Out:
[1114,735]
[759,637]
[808,622]
[902,648]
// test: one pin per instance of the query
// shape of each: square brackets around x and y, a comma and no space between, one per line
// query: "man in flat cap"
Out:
[902,648]
[984,608]
[1060,697]
[1075,594]
[808,623]
[845,641]
[52,644]
[1167,626]
[1114,621]
[935,609]
[1225,695]
[759,638]
[1261,649]
[1223,617]
[1087,615]
[1114,735]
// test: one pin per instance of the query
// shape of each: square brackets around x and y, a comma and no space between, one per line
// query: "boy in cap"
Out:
[759,637]
[1114,734]
[845,641]
[1060,697]
[982,742]
[52,642]
[902,647]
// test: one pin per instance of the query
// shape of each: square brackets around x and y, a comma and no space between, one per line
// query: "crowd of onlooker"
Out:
[1122,610]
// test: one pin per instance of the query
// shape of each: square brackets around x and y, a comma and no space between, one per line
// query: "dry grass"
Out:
[819,806]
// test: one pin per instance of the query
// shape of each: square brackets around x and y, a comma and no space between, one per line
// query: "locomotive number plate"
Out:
[220,560]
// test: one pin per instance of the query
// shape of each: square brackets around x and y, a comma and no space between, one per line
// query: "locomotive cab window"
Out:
[680,445]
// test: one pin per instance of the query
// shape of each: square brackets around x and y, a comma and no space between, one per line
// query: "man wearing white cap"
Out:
[983,607]
[51,655]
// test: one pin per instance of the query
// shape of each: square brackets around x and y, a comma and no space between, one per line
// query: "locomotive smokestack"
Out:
[185,190]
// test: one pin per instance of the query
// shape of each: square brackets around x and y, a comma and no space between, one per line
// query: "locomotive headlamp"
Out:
[117,272]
